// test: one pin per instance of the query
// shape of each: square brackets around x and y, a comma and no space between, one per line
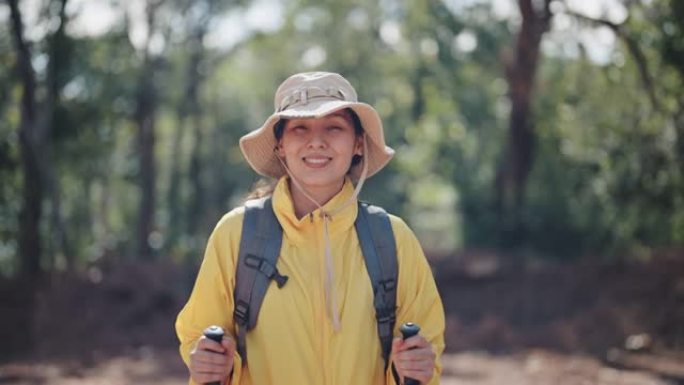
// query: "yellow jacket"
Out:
[294,341]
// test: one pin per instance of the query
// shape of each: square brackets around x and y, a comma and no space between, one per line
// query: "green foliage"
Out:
[608,175]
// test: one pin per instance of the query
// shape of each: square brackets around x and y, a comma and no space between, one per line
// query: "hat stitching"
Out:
[302,96]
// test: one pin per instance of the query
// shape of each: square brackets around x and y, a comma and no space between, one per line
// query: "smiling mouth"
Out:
[317,162]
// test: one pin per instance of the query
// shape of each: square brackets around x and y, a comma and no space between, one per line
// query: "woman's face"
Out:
[319,151]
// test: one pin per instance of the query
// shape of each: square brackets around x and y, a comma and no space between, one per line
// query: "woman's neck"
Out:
[303,205]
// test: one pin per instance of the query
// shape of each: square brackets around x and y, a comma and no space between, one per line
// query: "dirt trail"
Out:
[151,367]
[548,325]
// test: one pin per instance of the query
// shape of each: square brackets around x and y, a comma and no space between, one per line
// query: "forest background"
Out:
[531,136]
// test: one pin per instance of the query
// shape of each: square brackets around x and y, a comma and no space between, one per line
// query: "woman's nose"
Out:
[317,140]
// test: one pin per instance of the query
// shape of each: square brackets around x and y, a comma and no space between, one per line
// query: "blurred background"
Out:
[540,160]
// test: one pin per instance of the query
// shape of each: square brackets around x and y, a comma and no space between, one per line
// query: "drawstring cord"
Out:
[327,216]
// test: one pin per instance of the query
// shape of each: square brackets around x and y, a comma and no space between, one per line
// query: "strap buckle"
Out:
[388,284]
[241,313]
[386,315]
[264,267]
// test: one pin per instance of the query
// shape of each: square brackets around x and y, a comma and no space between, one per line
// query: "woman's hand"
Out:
[211,361]
[413,358]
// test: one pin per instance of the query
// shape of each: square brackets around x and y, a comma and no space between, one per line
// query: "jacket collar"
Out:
[307,228]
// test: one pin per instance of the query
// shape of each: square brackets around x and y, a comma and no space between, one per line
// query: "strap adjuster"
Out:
[388,284]
[264,267]
[241,313]
[386,315]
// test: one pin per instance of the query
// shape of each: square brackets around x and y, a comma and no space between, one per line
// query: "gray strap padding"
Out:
[257,260]
[379,250]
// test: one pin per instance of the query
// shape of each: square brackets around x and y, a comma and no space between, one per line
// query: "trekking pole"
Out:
[409,330]
[214,333]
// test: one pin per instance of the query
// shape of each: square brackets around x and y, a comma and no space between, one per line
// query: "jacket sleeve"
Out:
[418,300]
[211,300]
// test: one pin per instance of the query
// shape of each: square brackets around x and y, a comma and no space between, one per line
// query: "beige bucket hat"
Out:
[314,95]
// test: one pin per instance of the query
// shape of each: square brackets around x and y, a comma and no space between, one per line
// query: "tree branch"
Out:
[633,48]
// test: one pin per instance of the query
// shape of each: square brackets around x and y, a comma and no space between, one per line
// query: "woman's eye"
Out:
[335,128]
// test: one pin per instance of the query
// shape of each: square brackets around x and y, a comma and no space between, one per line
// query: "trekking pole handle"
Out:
[214,333]
[408,330]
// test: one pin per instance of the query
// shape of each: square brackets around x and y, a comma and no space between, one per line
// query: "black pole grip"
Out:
[214,333]
[409,330]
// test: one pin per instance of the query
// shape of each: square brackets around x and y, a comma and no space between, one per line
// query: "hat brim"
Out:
[258,146]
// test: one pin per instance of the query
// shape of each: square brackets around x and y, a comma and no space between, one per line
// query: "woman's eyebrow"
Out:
[342,116]
[296,122]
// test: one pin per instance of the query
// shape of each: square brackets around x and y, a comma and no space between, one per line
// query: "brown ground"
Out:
[505,325]
[149,366]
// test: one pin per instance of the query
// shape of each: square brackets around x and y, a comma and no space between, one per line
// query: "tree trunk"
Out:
[197,196]
[145,120]
[30,141]
[518,156]
[673,53]
[174,197]
[58,61]
[197,207]
[189,107]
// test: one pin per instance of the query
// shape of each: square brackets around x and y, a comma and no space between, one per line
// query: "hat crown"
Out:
[299,88]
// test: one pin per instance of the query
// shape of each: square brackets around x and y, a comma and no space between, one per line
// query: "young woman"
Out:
[320,144]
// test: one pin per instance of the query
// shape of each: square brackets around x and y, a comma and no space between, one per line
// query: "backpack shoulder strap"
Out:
[379,250]
[257,259]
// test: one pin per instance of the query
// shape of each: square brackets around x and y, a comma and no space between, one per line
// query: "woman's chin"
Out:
[321,182]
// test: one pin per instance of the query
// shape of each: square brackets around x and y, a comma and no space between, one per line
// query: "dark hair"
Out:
[358,128]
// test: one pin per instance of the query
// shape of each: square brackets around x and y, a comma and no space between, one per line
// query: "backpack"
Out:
[258,256]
